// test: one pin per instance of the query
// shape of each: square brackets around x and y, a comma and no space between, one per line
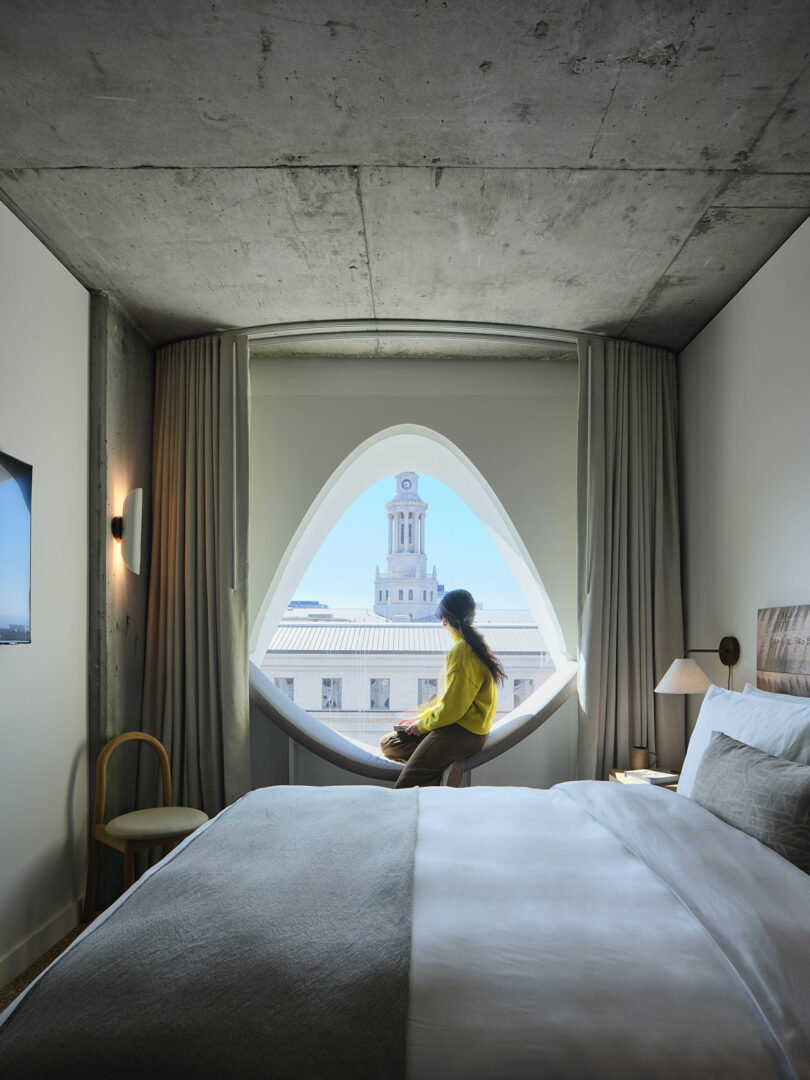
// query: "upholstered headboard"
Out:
[783,650]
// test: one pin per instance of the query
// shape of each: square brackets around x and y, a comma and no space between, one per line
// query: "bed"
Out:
[592,930]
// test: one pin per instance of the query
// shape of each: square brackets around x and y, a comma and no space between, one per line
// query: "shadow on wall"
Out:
[77,821]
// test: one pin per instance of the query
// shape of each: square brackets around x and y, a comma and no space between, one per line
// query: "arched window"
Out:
[406,446]
[346,681]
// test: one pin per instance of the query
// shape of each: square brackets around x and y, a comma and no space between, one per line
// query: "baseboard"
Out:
[16,960]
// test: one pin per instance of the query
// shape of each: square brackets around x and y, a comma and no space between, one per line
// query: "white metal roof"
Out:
[336,637]
[483,616]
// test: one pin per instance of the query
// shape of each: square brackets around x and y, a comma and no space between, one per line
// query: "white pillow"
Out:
[750,689]
[780,728]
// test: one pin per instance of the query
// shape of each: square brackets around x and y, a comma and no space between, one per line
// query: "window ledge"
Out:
[530,714]
[349,754]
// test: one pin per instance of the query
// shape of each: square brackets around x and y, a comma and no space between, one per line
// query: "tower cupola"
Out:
[406,590]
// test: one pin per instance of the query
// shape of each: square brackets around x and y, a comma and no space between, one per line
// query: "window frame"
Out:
[515,702]
[336,684]
[277,679]
[421,684]
[387,695]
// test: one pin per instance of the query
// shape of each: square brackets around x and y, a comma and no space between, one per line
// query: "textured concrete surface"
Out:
[617,166]
[121,406]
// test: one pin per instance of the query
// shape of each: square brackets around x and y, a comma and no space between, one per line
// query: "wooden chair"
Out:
[164,826]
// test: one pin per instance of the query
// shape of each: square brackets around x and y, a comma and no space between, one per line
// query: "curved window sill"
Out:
[353,756]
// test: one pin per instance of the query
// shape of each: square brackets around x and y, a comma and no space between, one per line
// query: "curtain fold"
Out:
[628,555]
[196,676]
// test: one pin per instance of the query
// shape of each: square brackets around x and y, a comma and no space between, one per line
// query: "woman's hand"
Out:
[408,722]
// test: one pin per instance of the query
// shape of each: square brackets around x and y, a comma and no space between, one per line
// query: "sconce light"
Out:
[127,529]
[686,677]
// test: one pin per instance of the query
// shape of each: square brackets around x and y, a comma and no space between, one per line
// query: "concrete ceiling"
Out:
[593,165]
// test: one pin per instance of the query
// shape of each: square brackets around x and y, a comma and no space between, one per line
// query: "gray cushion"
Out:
[163,822]
[764,796]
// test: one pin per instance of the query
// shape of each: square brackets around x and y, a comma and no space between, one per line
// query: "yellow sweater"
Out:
[470,695]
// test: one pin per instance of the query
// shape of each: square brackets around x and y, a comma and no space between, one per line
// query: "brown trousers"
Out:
[426,757]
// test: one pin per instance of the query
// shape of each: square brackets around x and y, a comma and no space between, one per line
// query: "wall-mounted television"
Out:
[15,551]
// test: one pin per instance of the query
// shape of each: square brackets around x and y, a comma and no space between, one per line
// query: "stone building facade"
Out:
[357,672]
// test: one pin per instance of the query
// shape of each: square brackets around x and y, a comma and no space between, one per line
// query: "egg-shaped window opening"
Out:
[407,451]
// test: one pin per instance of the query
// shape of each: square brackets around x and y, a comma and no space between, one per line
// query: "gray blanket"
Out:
[275,945]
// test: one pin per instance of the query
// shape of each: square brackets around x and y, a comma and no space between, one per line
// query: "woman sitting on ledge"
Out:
[457,725]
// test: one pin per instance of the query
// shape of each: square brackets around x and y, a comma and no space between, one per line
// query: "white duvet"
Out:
[600,930]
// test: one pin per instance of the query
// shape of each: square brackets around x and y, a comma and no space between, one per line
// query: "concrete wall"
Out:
[514,420]
[121,407]
[745,449]
[43,686]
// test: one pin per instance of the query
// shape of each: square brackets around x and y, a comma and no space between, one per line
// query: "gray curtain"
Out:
[196,688]
[628,557]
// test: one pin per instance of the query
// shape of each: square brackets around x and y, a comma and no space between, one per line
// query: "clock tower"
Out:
[406,590]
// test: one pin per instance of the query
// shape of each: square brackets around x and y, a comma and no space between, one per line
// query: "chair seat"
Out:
[160,822]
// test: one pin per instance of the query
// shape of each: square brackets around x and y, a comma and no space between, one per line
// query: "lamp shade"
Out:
[684,677]
[128,529]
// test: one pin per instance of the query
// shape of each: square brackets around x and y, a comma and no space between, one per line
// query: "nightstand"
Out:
[618,776]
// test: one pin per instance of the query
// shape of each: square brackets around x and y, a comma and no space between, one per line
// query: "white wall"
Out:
[43,686]
[745,459]
[514,420]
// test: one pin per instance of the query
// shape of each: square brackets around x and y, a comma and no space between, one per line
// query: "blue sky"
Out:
[342,572]
[15,550]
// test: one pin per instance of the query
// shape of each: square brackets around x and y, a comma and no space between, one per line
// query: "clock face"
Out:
[406,485]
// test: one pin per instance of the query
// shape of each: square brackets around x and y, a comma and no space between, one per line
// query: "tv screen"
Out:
[15,551]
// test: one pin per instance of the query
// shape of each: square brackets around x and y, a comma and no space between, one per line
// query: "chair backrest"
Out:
[104,757]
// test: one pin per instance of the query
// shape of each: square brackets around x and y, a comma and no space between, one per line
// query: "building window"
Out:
[523,687]
[410,533]
[386,594]
[424,594]
[410,594]
[402,534]
[380,597]
[400,594]
[428,689]
[286,686]
[380,695]
[332,693]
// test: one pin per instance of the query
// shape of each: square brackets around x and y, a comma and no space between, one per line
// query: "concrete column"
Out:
[390,533]
[422,533]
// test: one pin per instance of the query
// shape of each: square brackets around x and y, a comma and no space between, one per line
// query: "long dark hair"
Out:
[458,607]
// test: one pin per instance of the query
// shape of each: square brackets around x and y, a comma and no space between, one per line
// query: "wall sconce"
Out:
[127,528]
[687,677]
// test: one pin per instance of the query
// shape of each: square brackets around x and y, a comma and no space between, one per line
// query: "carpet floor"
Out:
[16,986]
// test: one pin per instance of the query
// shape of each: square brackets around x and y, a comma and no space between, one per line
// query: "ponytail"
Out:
[458,608]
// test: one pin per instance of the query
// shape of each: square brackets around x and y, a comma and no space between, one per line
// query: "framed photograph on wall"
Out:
[15,551]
